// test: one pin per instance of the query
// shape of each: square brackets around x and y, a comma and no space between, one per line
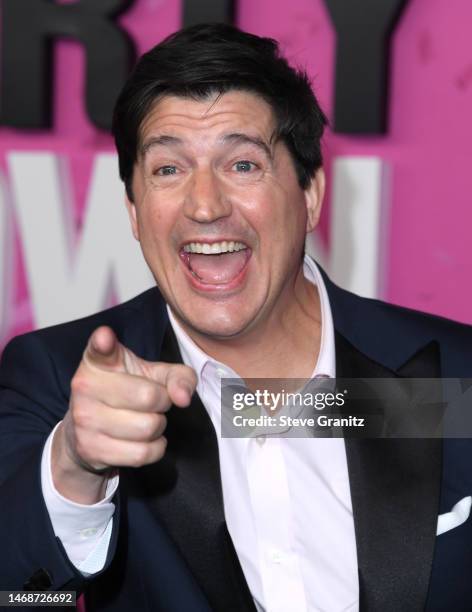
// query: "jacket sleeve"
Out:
[31,403]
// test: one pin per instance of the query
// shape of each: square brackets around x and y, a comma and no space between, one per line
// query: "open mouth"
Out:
[216,263]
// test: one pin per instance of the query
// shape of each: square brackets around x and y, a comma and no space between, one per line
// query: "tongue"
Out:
[216,269]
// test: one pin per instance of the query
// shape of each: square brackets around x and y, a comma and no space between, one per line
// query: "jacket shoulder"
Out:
[134,322]
[416,319]
[392,334]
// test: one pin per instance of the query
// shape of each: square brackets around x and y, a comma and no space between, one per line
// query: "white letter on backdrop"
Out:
[358,226]
[70,275]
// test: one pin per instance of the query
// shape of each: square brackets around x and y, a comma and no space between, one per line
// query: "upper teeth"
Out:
[215,247]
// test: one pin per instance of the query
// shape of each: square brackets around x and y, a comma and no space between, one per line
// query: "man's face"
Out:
[219,212]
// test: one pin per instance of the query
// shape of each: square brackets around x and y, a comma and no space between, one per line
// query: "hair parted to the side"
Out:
[209,59]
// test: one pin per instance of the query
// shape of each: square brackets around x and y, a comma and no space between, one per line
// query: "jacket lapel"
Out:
[184,491]
[395,487]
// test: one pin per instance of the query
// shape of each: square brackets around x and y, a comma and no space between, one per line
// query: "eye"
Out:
[244,166]
[166,171]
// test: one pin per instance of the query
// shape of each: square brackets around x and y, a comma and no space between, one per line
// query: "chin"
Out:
[217,327]
[222,330]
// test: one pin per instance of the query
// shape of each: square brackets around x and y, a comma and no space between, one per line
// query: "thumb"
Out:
[104,351]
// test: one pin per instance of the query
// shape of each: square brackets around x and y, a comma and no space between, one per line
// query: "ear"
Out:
[131,208]
[314,194]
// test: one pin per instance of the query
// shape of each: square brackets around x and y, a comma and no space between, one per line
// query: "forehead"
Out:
[209,118]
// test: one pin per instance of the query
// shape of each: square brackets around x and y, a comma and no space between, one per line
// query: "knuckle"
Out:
[160,446]
[161,423]
[80,384]
[148,395]
[146,453]
[145,425]
[81,416]
[153,426]
[140,455]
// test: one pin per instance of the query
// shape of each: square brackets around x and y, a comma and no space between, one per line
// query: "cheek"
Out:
[155,219]
[279,217]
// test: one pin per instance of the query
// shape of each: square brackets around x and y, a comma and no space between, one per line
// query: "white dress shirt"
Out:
[287,500]
[84,530]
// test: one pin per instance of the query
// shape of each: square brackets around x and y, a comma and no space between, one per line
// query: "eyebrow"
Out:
[238,138]
[155,141]
[233,138]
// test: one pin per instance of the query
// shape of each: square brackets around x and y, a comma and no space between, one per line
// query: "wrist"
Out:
[73,479]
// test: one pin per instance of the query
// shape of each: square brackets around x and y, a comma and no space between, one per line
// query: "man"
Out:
[115,480]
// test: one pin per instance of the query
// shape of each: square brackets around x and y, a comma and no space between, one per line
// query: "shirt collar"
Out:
[326,364]
[197,359]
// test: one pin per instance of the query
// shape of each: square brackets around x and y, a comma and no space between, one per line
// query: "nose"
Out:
[206,201]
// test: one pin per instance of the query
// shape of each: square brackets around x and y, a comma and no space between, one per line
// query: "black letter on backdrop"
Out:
[27,29]
[363,30]
[201,11]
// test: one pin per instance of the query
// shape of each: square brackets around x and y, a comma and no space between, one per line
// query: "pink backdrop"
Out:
[429,146]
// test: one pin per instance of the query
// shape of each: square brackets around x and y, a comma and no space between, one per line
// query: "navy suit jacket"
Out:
[170,549]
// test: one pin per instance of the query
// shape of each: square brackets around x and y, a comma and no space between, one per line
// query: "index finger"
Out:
[104,350]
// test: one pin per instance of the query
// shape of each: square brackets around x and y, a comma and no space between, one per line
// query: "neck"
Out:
[285,345]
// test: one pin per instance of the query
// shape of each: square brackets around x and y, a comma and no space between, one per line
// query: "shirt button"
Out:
[276,556]
[221,372]
[261,440]
[87,533]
